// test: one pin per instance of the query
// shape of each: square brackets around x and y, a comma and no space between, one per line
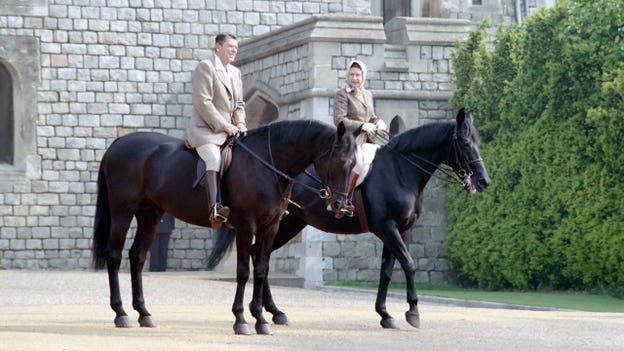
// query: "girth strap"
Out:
[360,210]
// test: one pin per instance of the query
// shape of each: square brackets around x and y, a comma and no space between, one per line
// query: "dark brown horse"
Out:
[392,198]
[142,175]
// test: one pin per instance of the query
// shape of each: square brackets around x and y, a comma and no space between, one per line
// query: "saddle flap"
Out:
[200,169]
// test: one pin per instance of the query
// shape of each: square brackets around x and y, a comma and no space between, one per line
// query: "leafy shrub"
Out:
[549,103]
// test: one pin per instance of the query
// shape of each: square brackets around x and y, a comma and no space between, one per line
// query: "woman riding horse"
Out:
[392,196]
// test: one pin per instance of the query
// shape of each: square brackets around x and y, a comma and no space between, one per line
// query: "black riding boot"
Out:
[218,212]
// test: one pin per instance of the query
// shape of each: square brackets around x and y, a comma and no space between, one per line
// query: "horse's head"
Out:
[466,156]
[334,168]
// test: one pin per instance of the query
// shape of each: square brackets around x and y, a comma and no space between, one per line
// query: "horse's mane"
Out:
[289,131]
[423,136]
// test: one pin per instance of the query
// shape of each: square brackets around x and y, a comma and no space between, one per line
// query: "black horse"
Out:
[392,202]
[142,175]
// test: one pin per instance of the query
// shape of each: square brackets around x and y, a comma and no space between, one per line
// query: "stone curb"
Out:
[448,301]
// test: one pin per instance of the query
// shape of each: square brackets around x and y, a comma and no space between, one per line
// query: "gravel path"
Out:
[49,310]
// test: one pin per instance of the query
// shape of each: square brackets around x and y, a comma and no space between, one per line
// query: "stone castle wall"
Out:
[87,71]
[104,68]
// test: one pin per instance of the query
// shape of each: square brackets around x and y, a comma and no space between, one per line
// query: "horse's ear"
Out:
[461,115]
[341,130]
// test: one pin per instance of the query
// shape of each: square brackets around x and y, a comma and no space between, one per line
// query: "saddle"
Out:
[226,162]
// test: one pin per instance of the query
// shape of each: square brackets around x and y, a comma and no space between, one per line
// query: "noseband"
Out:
[464,173]
[327,192]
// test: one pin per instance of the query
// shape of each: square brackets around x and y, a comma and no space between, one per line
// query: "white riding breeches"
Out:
[364,155]
[211,154]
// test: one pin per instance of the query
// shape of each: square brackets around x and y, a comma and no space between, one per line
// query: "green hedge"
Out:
[548,98]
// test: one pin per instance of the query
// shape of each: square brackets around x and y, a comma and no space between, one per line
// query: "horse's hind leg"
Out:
[148,217]
[119,228]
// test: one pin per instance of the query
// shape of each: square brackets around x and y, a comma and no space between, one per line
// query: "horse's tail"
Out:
[102,224]
[223,244]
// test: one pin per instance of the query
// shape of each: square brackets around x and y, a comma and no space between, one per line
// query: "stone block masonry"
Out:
[106,68]
[89,71]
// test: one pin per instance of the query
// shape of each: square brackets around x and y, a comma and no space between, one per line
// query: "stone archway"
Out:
[397,125]
[260,110]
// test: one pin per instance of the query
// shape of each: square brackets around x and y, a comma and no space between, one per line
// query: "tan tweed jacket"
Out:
[350,110]
[212,104]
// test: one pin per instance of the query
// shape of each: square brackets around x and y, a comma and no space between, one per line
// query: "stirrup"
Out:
[219,213]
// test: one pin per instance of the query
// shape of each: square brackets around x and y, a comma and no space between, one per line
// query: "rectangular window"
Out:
[394,8]
[6,116]
[476,2]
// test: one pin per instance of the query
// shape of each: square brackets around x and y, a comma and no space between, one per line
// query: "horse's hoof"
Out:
[122,322]
[413,319]
[263,329]
[389,323]
[280,319]
[147,322]
[242,329]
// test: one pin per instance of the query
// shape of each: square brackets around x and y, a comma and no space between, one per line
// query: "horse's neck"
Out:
[292,158]
[416,167]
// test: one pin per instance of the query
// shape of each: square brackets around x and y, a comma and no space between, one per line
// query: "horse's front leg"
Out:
[279,317]
[385,276]
[243,245]
[261,265]
[393,242]
[289,227]
[138,255]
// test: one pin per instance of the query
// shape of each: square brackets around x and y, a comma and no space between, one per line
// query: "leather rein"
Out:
[325,193]
[464,173]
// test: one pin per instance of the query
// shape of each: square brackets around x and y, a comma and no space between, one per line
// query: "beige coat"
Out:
[212,106]
[350,110]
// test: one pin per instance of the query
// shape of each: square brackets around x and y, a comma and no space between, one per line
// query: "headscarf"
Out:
[359,63]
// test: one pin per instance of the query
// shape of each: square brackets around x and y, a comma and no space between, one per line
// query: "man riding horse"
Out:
[218,112]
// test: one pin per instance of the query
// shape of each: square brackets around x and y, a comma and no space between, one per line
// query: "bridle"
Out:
[463,173]
[324,193]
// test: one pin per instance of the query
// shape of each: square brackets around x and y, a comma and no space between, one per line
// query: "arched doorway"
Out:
[260,110]
[397,125]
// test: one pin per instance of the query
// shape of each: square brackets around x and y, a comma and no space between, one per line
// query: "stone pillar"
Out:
[299,67]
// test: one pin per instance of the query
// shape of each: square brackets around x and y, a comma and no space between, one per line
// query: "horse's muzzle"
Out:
[348,210]
[481,184]
[340,210]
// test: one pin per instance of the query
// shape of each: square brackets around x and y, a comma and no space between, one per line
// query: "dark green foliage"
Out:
[549,103]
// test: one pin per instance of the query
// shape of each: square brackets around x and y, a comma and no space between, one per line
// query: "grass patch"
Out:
[583,301]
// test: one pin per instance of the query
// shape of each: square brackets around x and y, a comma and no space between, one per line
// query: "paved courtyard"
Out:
[50,310]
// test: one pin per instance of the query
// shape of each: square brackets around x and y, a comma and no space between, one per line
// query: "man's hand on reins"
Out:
[231,129]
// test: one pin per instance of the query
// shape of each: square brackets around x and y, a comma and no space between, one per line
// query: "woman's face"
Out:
[355,77]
